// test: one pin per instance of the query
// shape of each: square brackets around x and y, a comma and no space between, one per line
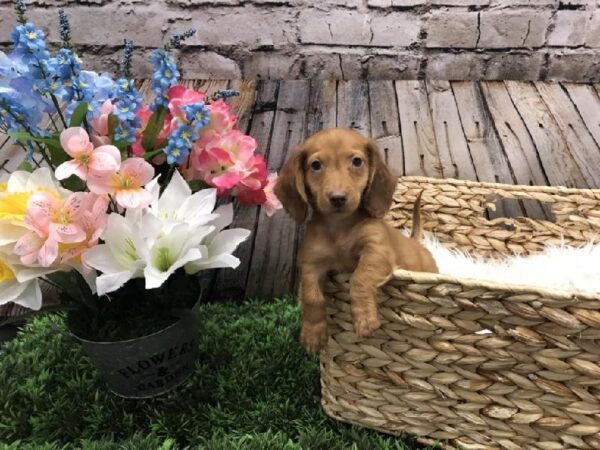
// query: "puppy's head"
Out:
[337,172]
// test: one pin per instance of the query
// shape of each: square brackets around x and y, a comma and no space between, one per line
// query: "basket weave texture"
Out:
[532,382]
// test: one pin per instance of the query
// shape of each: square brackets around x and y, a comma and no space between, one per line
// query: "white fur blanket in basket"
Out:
[571,269]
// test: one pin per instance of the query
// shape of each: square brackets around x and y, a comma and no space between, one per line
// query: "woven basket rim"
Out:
[517,289]
[504,187]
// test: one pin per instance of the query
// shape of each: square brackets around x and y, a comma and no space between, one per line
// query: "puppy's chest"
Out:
[339,255]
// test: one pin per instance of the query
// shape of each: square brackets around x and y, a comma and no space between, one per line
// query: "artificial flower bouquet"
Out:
[114,205]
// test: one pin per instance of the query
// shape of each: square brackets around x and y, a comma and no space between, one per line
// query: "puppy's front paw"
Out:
[314,336]
[366,324]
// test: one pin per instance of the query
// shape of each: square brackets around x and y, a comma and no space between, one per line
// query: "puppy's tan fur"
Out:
[353,238]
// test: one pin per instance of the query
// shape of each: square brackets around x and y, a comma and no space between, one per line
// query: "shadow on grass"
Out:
[254,388]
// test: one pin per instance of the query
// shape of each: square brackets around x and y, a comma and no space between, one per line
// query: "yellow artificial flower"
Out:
[13,206]
[6,274]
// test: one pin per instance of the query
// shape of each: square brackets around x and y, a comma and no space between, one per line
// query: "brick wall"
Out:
[443,39]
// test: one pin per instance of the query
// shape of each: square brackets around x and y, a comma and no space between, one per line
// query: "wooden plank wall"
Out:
[509,132]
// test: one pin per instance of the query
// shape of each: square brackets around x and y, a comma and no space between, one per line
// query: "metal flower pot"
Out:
[151,365]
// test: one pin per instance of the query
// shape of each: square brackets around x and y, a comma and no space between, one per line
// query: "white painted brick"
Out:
[456,66]
[569,28]
[379,3]
[341,27]
[461,2]
[513,29]
[514,3]
[400,3]
[332,66]
[407,3]
[511,66]
[452,29]
[396,67]
[245,27]
[397,28]
[208,65]
[575,66]
[269,65]
[592,38]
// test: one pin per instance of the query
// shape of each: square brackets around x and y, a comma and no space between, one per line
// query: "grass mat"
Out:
[253,388]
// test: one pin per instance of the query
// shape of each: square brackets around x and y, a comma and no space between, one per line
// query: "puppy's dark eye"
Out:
[315,166]
[357,162]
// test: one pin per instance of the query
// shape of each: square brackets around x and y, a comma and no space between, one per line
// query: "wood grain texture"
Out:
[421,156]
[273,265]
[228,283]
[587,102]
[507,132]
[450,138]
[558,163]
[491,164]
[516,142]
[579,140]
[385,123]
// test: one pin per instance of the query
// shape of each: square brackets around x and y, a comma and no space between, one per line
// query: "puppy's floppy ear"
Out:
[290,188]
[379,194]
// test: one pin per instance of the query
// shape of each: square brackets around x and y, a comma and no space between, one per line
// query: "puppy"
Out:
[341,176]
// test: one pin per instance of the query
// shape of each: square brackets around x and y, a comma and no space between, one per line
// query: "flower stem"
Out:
[60,114]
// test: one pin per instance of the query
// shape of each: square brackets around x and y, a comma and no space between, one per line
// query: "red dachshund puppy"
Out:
[341,176]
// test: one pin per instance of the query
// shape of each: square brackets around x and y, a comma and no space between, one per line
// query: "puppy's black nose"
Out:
[337,200]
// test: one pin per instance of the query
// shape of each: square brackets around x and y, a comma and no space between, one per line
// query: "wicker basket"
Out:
[532,383]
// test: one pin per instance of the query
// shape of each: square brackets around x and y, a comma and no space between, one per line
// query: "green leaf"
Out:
[197,185]
[113,121]
[25,166]
[79,114]
[56,153]
[155,124]
[74,184]
[22,136]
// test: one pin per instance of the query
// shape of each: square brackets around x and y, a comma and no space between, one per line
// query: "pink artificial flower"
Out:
[221,121]
[272,204]
[127,184]
[100,125]
[86,159]
[250,190]
[181,96]
[51,222]
[222,161]
[93,221]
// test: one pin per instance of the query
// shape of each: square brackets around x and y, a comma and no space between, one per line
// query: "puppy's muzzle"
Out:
[338,200]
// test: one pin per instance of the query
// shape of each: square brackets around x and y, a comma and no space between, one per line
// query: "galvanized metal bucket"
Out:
[151,365]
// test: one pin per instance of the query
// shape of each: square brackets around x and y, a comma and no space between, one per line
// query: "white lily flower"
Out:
[220,244]
[25,293]
[179,229]
[177,204]
[173,251]
[124,254]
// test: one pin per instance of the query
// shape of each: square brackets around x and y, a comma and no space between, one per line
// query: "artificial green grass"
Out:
[253,388]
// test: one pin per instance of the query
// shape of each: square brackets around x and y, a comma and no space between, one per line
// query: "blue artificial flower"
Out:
[65,64]
[16,116]
[127,100]
[126,131]
[176,40]
[64,28]
[180,144]
[164,76]
[29,43]
[127,56]
[225,94]
[197,114]
[20,10]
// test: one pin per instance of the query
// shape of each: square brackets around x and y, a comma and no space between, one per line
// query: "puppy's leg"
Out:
[314,316]
[373,270]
